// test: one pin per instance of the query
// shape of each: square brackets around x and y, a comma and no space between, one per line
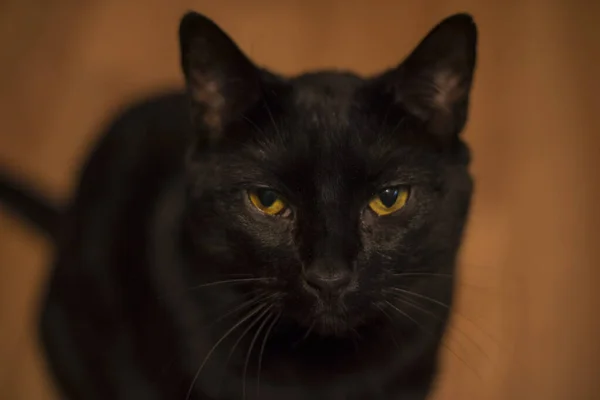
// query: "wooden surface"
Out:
[525,327]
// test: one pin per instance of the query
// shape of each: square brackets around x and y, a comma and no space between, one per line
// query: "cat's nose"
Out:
[327,281]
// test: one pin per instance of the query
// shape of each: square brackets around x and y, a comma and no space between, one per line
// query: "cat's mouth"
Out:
[331,324]
[323,318]
[326,316]
[332,318]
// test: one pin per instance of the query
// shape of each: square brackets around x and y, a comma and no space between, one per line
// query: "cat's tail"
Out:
[30,205]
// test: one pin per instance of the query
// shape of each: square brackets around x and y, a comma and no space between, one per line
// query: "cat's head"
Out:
[339,199]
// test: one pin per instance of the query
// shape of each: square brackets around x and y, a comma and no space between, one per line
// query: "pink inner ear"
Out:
[448,89]
[206,91]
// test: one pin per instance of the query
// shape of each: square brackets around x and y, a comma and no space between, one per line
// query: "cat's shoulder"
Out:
[133,161]
[145,138]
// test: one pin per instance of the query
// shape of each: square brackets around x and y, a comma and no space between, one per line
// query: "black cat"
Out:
[262,237]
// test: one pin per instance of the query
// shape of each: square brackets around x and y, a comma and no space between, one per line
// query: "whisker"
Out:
[457,280]
[383,311]
[398,125]
[247,329]
[306,334]
[407,316]
[254,300]
[240,280]
[272,118]
[252,342]
[256,310]
[440,275]
[391,322]
[418,307]
[261,352]
[456,313]
[258,129]
[162,297]
[238,274]
[239,339]
[421,296]
[431,334]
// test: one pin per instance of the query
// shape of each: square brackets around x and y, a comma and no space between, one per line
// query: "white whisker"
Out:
[261,352]
[407,316]
[411,293]
[248,303]
[433,274]
[240,280]
[256,310]
[251,346]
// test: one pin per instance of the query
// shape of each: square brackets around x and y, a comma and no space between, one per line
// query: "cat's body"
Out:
[260,210]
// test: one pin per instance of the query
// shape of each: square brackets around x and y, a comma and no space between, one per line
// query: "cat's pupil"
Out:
[389,196]
[267,197]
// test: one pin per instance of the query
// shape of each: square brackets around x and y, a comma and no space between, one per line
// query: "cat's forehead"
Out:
[320,125]
[325,98]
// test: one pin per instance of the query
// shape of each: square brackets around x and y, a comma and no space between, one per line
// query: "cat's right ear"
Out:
[222,82]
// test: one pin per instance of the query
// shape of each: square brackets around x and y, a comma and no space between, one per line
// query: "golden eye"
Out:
[267,201]
[389,200]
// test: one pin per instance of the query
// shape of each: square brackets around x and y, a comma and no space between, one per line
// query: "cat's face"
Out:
[332,196]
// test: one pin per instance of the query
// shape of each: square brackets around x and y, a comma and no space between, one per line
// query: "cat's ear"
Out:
[434,82]
[221,80]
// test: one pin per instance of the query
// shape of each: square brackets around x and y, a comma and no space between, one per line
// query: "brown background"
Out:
[525,326]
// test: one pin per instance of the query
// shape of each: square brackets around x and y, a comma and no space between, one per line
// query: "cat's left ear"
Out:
[434,81]
[222,81]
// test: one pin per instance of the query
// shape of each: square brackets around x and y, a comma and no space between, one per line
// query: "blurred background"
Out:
[525,326]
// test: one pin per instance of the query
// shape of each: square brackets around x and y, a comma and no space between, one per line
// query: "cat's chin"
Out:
[325,318]
[331,325]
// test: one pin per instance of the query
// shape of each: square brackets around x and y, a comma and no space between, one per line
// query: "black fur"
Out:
[134,308]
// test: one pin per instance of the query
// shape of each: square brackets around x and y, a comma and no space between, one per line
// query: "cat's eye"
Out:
[389,200]
[267,201]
